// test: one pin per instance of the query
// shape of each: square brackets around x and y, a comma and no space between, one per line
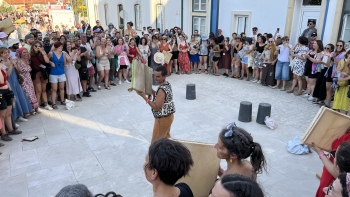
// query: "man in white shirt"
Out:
[13,46]
[255,33]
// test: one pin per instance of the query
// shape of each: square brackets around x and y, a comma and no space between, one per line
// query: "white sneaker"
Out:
[306,95]
[21,119]
[16,125]
[38,110]
[254,80]
[48,107]
[126,81]
[259,82]
[120,82]
[310,98]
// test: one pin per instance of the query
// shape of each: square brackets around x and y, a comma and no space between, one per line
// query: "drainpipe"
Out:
[325,19]
[182,14]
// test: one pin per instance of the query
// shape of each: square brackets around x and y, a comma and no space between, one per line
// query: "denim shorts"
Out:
[282,71]
[244,60]
[57,78]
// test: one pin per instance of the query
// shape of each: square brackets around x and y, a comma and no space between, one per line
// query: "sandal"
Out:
[63,103]
[206,71]
[32,112]
[298,93]
[107,87]
[14,132]
[113,84]
[99,87]
[26,116]
[78,99]
[199,71]
[54,106]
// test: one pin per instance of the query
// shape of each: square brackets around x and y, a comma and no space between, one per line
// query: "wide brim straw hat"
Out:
[158,57]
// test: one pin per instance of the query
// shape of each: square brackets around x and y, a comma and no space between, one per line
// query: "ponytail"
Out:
[257,158]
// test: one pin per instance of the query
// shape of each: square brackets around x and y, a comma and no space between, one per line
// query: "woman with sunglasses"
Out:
[341,99]
[164,46]
[298,63]
[236,60]
[340,187]
[338,55]
[184,61]
[175,51]
[282,66]
[225,61]
[39,64]
[57,76]
[320,91]
[312,59]
[269,60]
[235,145]
[336,162]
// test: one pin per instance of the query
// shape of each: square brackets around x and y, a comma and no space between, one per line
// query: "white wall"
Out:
[267,15]
[329,22]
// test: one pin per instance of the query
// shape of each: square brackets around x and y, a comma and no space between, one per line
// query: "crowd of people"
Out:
[54,65]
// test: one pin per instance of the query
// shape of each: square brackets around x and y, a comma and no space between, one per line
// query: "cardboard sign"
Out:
[203,174]
[141,80]
[7,25]
[327,126]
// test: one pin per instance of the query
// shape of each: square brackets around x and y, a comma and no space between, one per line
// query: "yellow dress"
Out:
[341,100]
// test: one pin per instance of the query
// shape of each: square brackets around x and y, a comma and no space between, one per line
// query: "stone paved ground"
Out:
[103,141]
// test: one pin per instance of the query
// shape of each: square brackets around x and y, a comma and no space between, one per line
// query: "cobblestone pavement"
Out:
[103,141]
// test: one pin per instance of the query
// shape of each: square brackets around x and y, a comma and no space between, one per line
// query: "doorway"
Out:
[307,13]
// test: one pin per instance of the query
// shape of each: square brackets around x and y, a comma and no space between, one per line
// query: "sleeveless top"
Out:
[105,57]
[164,48]
[132,51]
[203,49]
[5,78]
[59,64]
[168,107]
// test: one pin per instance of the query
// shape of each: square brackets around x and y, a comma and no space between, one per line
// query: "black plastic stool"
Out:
[190,91]
[263,111]
[245,111]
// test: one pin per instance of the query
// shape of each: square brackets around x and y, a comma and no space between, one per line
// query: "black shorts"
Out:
[123,67]
[308,71]
[329,74]
[83,74]
[215,59]
[175,55]
[5,99]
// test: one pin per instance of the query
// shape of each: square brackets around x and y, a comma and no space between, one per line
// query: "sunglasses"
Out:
[310,23]
[339,45]
[270,41]
[327,48]
[229,127]
[330,188]
[254,29]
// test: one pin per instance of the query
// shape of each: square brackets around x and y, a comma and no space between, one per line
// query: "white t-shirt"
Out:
[283,55]
[12,54]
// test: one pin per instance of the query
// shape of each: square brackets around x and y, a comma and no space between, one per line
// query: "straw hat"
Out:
[158,57]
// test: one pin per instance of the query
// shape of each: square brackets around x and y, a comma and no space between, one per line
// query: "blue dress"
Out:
[22,105]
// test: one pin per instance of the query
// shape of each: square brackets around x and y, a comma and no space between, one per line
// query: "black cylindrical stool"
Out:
[154,81]
[263,111]
[190,91]
[245,111]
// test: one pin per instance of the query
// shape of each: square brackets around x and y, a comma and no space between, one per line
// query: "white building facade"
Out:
[290,16]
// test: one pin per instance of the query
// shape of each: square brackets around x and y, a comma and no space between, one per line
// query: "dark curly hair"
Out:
[242,145]
[342,179]
[241,186]
[171,159]
[343,155]
[303,40]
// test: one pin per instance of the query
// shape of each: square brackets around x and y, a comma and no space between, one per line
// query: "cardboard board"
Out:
[327,126]
[8,26]
[141,80]
[203,174]
[167,57]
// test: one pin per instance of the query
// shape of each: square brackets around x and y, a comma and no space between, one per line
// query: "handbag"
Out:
[77,66]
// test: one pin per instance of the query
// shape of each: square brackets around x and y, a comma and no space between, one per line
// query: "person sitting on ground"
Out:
[166,162]
[236,185]
[234,145]
[340,187]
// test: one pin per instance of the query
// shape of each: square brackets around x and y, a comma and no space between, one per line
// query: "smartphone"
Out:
[278,29]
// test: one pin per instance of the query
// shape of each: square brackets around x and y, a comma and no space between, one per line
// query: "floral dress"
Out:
[183,59]
[27,84]
[298,64]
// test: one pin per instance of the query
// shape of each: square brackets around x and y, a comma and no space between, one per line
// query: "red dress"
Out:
[183,59]
[327,178]
[132,51]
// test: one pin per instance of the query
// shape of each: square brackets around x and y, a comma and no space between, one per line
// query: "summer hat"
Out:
[205,37]
[158,57]
[11,42]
